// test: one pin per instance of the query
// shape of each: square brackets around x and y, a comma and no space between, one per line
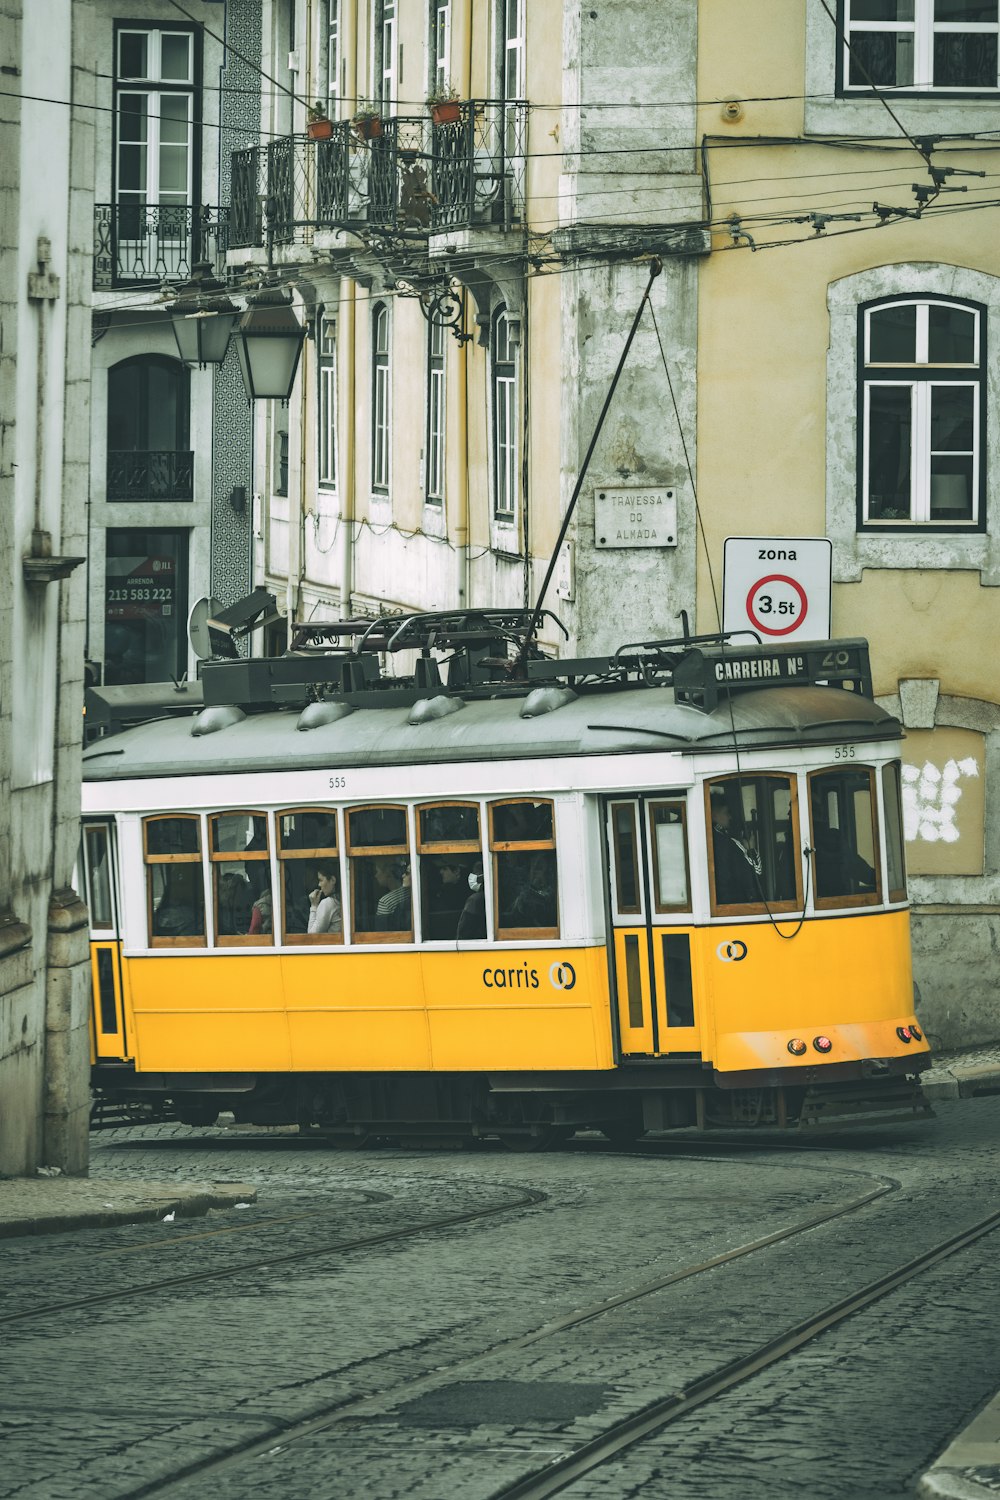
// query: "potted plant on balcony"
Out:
[319,126]
[444,105]
[367,119]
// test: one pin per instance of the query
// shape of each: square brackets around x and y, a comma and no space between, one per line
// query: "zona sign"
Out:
[778,587]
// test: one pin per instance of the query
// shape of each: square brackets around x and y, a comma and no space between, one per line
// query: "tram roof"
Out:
[622,722]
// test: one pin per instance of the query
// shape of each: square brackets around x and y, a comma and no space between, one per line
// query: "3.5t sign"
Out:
[778,587]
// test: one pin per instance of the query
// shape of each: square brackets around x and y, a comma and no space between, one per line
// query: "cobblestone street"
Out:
[393,1322]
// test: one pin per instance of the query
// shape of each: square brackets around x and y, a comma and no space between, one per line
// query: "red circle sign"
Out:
[777,607]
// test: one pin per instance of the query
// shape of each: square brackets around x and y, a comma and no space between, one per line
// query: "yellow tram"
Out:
[505,897]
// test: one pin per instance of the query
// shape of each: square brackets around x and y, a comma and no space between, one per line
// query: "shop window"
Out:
[844,838]
[241,878]
[452,903]
[175,891]
[146,605]
[525,877]
[378,853]
[309,862]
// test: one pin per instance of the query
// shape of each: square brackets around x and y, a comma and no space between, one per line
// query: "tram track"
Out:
[389,1397]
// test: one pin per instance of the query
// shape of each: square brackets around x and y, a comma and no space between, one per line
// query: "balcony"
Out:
[137,475]
[144,245]
[413,179]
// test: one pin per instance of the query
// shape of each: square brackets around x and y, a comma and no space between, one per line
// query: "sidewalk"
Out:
[963,1075]
[56,1204]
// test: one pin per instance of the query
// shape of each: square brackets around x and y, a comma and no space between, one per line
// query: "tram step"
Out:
[897,1101]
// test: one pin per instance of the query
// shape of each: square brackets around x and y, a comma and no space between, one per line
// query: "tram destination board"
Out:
[705,673]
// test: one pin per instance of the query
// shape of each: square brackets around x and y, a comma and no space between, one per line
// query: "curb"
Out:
[970,1081]
[969,1468]
[191,1206]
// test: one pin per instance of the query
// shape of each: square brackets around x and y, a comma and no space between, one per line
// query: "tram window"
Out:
[98,871]
[754,842]
[175,894]
[892,802]
[626,852]
[668,837]
[241,878]
[451,865]
[309,862]
[844,839]
[525,883]
[379,855]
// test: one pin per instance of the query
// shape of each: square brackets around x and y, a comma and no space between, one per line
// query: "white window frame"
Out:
[331,25]
[511,39]
[436,434]
[439,44]
[384,51]
[505,420]
[153,88]
[924,29]
[381,396]
[326,445]
[921,390]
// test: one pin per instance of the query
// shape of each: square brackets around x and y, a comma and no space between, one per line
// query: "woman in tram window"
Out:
[325,913]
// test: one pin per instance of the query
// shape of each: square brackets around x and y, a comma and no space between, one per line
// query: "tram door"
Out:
[100,866]
[650,894]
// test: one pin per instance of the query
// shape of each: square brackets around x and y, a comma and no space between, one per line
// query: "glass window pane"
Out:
[526,889]
[175,57]
[952,412]
[843,836]
[449,825]
[174,117]
[98,877]
[753,852]
[980,11]
[952,487]
[132,54]
[670,857]
[445,892]
[381,900]
[951,335]
[232,832]
[133,123]
[177,900]
[145,639]
[173,836]
[892,335]
[965,60]
[522,822]
[312,828]
[889,452]
[882,10]
[882,58]
[895,866]
[626,858]
[234,898]
[377,827]
[173,171]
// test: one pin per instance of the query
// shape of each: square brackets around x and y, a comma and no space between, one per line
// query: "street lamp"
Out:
[203,318]
[269,339]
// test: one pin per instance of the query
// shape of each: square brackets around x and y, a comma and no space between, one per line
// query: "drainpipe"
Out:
[346,468]
[461,533]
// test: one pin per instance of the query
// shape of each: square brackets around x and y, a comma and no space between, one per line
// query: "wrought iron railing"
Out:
[150,476]
[146,244]
[411,177]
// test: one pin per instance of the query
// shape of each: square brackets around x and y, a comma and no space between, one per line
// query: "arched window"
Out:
[503,363]
[149,405]
[921,413]
[381,398]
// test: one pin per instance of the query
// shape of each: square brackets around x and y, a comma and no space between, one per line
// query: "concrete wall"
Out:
[45,247]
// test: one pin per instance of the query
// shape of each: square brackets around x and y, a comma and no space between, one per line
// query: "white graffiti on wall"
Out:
[931,795]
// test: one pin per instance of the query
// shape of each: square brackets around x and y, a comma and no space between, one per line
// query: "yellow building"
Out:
[815,358]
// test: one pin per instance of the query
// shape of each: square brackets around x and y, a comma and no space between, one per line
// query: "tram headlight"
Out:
[916,1034]
[822,1044]
[796,1046]
[904,1033]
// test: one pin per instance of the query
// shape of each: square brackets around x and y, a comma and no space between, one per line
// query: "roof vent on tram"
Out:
[315,715]
[425,710]
[217,716]
[545,700]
